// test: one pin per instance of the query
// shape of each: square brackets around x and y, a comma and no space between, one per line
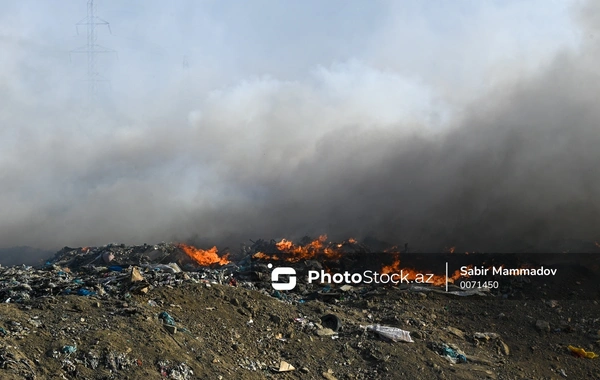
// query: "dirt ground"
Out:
[229,332]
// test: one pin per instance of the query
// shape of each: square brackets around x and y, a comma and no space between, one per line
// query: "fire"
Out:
[393,268]
[264,256]
[295,252]
[204,257]
[437,279]
[321,249]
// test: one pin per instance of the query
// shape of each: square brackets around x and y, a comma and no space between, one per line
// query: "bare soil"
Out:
[229,332]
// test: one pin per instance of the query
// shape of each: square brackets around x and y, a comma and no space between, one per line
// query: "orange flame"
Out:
[204,257]
[413,274]
[296,252]
[319,248]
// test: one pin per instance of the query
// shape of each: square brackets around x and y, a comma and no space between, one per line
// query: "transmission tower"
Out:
[92,49]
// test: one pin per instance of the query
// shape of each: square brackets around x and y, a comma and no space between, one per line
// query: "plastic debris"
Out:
[277,294]
[392,333]
[107,257]
[136,276]
[452,354]
[284,367]
[331,321]
[169,268]
[580,352]
[85,292]
[68,349]
[167,319]
[179,371]
[460,358]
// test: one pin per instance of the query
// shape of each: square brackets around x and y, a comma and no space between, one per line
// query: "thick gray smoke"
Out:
[350,151]
[518,171]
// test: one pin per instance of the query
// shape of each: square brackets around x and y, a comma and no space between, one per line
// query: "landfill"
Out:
[157,311]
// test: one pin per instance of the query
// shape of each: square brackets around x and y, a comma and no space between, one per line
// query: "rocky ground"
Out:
[186,325]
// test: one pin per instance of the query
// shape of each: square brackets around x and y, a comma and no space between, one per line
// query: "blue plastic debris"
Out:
[167,319]
[447,351]
[115,268]
[68,349]
[277,294]
[3,332]
[85,292]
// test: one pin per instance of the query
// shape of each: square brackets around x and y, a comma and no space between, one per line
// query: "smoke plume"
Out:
[350,150]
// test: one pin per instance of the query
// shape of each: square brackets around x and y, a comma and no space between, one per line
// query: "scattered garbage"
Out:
[107,257]
[562,372]
[485,335]
[85,292]
[283,367]
[136,276]
[392,333]
[452,354]
[580,352]
[126,285]
[68,349]
[169,268]
[331,321]
[179,371]
[167,319]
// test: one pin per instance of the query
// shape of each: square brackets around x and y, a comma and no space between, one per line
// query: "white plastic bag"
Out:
[392,333]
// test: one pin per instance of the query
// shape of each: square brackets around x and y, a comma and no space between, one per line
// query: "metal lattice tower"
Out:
[92,49]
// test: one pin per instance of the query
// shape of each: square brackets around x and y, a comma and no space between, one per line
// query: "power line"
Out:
[92,49]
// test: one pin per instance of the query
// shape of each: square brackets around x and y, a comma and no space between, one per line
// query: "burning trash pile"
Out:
[181,312]
[117,270]
[110,271]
